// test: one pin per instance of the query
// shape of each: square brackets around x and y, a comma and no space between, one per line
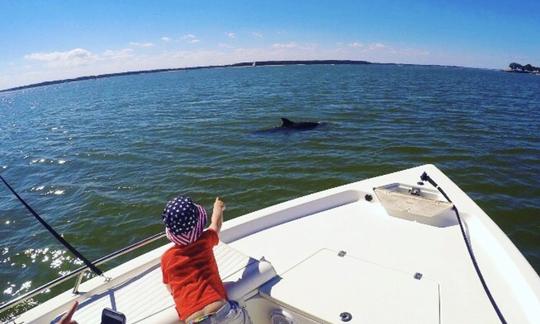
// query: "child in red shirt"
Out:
[189,267]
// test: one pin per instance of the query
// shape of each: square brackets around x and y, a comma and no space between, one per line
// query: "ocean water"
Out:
[98,159]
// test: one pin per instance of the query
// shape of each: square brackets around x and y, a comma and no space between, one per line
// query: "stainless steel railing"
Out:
[79,272]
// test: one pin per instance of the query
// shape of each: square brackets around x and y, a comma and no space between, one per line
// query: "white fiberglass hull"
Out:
[337,254]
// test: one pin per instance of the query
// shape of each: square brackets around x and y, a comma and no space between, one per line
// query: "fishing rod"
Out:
[426,177]
[53,232]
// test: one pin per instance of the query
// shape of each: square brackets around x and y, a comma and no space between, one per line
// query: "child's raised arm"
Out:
[217,215]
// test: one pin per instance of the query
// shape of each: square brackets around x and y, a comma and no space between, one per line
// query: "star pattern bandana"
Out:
[184,220]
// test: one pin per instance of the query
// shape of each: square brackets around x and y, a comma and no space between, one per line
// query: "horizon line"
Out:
[240,64]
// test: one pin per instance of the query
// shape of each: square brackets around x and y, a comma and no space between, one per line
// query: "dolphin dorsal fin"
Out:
[286,123]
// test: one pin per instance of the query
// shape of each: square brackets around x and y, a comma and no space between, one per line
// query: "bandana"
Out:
[184,220]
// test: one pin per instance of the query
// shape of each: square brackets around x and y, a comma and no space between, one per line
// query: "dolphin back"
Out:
[288,125]
[286,122]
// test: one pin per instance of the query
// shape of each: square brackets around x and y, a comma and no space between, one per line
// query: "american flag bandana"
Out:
[184,220]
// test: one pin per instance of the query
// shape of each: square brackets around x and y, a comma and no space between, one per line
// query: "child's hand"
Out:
[219,205]
[217,215]
[66,319]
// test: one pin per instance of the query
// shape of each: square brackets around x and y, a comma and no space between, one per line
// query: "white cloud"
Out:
[74,57]
[77,57]
[285,45]
[365,47]
[190,38]
[295,46]
[166,39]
[356,45]
[257,35]
[137,44]
[231,35]
[118,54]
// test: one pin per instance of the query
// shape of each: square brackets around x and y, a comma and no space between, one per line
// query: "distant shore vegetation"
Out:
[516,67]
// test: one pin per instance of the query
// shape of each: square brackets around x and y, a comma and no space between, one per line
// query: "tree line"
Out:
[523,68]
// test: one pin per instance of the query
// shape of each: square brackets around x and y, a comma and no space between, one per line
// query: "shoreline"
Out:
[522,72]
[241,64]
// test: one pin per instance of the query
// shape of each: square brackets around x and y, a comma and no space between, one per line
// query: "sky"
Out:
[50,40]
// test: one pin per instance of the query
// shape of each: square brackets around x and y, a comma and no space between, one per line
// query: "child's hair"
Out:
[184,220]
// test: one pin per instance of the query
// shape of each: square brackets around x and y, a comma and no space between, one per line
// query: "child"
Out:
[189,267]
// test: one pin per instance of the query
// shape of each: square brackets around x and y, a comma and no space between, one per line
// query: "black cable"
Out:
[426,177]
[54,233]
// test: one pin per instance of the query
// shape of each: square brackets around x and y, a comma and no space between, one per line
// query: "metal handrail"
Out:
[80,271]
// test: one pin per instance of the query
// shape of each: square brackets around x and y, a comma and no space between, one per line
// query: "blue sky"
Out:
[47,40]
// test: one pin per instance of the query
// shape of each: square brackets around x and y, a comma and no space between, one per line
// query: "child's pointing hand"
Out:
[219,204]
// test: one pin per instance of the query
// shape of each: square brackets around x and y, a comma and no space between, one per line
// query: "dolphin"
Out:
[288,125]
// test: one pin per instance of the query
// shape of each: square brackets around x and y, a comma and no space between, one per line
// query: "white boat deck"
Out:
[285,260]
[366,233]
[365,290]
[341,219]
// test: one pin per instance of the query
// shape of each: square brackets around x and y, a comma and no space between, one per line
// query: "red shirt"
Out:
[192,273]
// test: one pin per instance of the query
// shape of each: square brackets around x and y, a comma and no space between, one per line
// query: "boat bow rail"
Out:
[79,273]
[135,289]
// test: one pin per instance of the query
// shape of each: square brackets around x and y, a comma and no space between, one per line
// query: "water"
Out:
[98,159]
